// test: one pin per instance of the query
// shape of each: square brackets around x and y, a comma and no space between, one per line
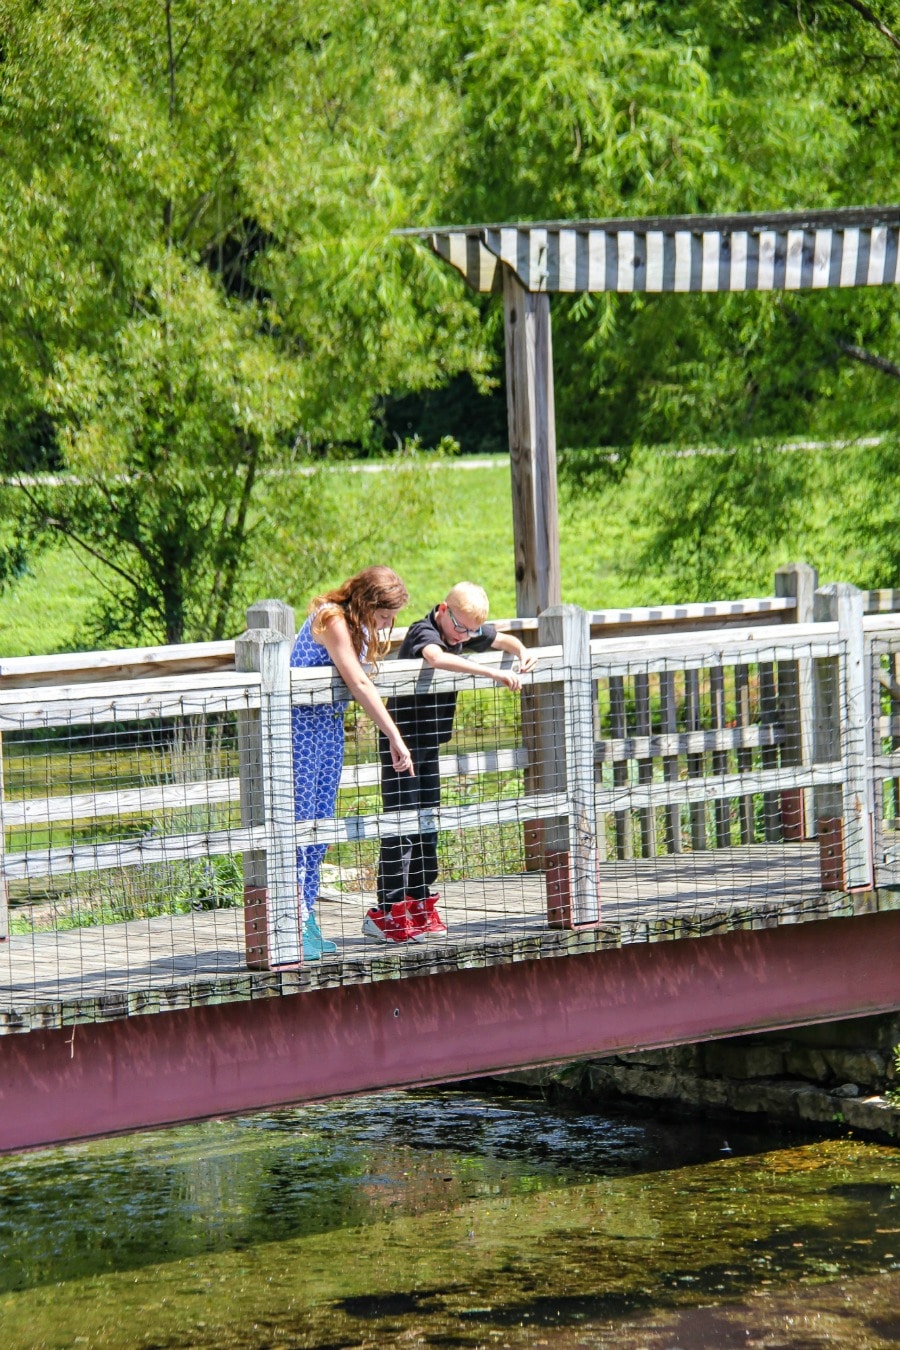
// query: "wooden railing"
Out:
[636,746]
[794,585]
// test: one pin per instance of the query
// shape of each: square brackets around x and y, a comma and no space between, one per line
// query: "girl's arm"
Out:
[337,642]
[435,656]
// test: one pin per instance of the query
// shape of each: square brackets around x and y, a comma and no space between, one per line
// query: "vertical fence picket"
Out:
[744,755]
[644,727]
[618,731]
[894,715]
[720,757]
[795,702]
[694,722]
[669,713]
[4,884]
[768,717]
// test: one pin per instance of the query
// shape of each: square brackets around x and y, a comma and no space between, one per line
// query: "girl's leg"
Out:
[318,752]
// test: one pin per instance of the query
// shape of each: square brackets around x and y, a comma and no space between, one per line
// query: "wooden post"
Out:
[272,919]
[547,773]
[669,711]
[894,716]
[532,446]
[273,614]
[567,741]
[795,703]
[844,810]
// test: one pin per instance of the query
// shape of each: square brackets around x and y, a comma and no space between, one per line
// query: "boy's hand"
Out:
[509,678]
[527,661]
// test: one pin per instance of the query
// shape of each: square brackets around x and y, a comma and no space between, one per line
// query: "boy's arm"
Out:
[506,642]
[436,657]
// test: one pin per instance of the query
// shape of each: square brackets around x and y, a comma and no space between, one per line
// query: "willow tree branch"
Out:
[869,358]
[871,17]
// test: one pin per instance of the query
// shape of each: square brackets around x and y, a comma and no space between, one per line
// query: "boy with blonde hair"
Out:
[408,866]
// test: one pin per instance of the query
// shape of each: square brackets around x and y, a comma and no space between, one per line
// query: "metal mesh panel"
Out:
[122,864]
[885,666]
[156,847]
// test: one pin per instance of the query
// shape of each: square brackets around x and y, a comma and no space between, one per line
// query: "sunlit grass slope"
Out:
[471,539]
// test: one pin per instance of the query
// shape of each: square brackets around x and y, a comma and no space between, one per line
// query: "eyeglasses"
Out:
[461,627]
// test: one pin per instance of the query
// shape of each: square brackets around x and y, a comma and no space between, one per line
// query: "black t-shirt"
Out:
[426,720]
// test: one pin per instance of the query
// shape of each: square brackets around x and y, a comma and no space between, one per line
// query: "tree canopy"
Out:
[200,293]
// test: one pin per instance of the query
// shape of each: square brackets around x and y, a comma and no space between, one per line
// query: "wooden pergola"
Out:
[775,251]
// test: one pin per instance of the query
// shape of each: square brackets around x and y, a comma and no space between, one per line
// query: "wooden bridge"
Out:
[684,827]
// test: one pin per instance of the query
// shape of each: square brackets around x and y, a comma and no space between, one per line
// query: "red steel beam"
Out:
[159,1069]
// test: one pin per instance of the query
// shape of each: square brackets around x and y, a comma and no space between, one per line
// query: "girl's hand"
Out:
[401,758]
[527,661]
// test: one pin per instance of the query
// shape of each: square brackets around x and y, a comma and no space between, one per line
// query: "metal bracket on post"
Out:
[567,747]
[844,812]
[272,919]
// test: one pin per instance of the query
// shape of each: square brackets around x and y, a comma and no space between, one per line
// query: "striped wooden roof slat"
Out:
[790,251]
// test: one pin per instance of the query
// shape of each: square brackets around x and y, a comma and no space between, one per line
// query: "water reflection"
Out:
[450,1219]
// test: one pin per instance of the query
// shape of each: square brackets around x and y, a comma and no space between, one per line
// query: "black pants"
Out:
[408,865]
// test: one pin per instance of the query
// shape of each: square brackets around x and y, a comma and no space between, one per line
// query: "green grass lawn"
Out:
[45,610]
[471,539]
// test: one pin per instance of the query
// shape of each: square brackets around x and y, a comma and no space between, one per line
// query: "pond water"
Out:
[450,1218]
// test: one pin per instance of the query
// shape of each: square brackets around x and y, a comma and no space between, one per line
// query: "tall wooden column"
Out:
[532,446]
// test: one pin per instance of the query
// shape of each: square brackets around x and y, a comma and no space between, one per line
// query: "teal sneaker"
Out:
[315,946]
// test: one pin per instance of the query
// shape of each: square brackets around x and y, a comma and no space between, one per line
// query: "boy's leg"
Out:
[423,860]
[399,792]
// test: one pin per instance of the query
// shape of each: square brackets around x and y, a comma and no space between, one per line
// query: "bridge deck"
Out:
[59,978]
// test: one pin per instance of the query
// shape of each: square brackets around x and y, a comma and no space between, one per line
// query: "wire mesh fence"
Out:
[885,663]
[157,839]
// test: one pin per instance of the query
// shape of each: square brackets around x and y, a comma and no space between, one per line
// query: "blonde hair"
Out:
[356,600]
[466,595]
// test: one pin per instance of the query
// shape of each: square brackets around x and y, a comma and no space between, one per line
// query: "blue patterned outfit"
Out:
[318,754]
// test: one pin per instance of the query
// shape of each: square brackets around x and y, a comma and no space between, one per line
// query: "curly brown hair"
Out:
[357,599]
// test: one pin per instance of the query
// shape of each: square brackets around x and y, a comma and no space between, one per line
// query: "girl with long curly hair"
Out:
[344,628]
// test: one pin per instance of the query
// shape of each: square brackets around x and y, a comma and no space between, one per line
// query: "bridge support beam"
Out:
[159,1069]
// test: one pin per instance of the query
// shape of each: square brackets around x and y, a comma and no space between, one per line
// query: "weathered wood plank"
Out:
[123,802]
[700,790]
[220,791]
[660,744]
[132,701]
[140,852]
